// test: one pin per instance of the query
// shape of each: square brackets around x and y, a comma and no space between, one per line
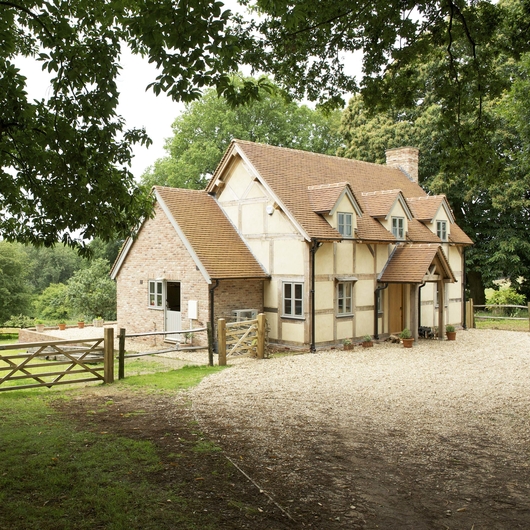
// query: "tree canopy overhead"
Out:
[64,160]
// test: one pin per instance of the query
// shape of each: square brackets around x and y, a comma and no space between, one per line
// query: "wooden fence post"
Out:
[261,336]
[108,355]
[209,332]
[121,355]
[528,316]
[221,341]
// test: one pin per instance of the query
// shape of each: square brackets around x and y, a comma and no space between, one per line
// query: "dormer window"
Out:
[345,224]
[398,227]
[441,230]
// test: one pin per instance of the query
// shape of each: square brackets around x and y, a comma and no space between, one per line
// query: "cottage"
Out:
[328,248]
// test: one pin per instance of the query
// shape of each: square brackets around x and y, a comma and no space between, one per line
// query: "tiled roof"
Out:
[419,233]
[425,208]
[289,173]
[369,229]
[211,235]
[410,263]
[379,203]
[323,197]
[458,236]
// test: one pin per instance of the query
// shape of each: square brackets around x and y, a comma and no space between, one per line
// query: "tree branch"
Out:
[28,12]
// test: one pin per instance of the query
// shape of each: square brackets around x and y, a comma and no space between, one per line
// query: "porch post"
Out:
[441,309]
[414,310]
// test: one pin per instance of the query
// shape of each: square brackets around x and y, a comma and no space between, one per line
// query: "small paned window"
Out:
[441,230]
[345,298]
[293,299]
[156,292]
[345,224]
[398,227]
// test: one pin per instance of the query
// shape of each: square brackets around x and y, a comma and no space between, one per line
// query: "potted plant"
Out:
[367,341]
[407,338]
[39,326]
[80,322]
[450,332]
[347,344]
[62,324]
[98,322]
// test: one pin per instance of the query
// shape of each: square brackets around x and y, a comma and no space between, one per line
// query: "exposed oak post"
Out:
[441,310]
[108,337]
[261,336]
[221,341]
[413,310]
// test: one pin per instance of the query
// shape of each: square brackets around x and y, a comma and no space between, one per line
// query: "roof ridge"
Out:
[320,155]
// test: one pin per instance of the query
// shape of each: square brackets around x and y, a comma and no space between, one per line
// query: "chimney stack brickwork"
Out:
[406,159]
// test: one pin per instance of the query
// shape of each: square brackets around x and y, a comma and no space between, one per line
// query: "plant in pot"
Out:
[62,324]
[39,326]
[347,344]
[98,322]
[450,332]
[407,338]
[81,322]
[367,341]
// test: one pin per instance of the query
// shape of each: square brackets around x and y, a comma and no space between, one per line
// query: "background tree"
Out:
[53,304]
[204,130]
[91,292]
[14,291]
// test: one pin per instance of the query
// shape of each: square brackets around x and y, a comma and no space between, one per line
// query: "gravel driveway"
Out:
[436,436]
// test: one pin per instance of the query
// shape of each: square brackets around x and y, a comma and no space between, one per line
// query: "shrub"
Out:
[507,296]
[19,321]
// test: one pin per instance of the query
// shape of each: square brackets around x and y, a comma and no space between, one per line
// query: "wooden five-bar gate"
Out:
[241,338]
[61,362]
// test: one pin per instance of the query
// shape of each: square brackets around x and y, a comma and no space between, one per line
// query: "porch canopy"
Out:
[416,264]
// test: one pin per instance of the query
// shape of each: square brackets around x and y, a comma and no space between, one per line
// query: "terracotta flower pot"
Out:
[451,335]
[62,326]
[407,343]
[367,344]
[80,325]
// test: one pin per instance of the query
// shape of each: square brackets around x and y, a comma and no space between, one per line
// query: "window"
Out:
[441,230]
[345,224]
[156,298]
[344,298]
[293,299]
[398,230]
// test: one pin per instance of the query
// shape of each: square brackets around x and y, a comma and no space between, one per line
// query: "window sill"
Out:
[292,317]
[345,315]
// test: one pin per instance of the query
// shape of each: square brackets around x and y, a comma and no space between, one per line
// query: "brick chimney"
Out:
[405,159]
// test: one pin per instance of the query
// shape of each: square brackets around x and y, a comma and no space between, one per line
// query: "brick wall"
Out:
[404,158]
[158,253]
[237,294]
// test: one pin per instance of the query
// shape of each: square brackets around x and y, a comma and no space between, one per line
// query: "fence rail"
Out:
[471,310]
[76,357]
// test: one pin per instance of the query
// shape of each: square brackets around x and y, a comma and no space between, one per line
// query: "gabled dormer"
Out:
[435,213]
[337,204]
[391,209]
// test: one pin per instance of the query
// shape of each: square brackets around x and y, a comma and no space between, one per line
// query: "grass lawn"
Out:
[56,474]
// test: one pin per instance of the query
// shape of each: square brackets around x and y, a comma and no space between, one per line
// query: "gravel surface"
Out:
[450,418]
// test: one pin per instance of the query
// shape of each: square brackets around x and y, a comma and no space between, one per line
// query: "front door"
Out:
[395,301]
[173,314]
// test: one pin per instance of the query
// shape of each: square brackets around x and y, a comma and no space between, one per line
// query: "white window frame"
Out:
[441,230]
[398,227]
[345,224]
[293,305]
[343,298]
[155,294]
